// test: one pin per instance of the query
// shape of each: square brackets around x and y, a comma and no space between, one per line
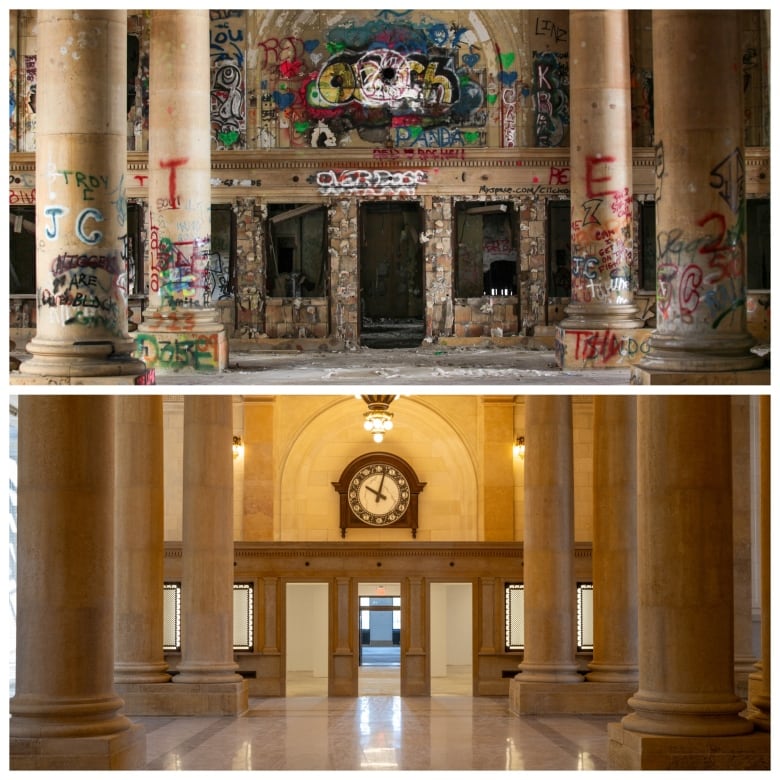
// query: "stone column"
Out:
[207,664]
[549,659]
[81,210]
[614,544]
[603,269]
[66,714]
[760,688]
[686,714]
[181,330]
[139,665]
[700,195]
[744,656]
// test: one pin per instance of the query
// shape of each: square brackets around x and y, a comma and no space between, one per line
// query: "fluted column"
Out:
[548,551]
[614,541]
[602,263]
[207,543]
[700,194]
[66,714]
[138,572]
[81,208]
[181,329]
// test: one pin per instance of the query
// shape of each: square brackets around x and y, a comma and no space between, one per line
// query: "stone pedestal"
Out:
[629,750]
[643,376]
[592,698]
[228,698]
[589,348]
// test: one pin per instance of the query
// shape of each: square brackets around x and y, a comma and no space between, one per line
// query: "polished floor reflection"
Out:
[446,731]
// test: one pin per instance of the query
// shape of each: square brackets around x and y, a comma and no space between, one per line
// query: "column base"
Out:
[644,376]
[229,698]
[74,364]
[532,698]
[701,352]
[182,342]
[589,348]
[633,750]
[123,750]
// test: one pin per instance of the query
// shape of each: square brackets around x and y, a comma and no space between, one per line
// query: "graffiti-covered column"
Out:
[81,209]
[686,714]
[603,279]
[700,195]
[181,330]
[139,665]
[549,665]
[207,671]
[65,713]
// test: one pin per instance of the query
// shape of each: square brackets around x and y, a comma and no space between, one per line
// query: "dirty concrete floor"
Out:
[427,365]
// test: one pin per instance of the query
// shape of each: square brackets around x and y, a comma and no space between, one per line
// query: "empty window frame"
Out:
[296,250]
[222,254]
[486,250]
[172,616]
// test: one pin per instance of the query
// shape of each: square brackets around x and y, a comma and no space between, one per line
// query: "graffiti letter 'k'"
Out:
[173,164]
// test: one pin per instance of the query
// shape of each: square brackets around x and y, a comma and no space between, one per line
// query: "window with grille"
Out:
[243,611]
[243,616]
[514,601]
[172,616]
[584,616]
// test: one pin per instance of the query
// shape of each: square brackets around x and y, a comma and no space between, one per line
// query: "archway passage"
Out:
[391,275]
[379,630]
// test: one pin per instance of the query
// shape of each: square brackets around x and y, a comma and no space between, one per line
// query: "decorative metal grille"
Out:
[584,616]
[243,616]
[514,600]
[172,616]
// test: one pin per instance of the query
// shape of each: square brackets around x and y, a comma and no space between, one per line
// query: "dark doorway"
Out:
[391,276]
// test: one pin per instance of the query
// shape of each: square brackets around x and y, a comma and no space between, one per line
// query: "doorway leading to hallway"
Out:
[306,640]
[451,638]
[391,275]
[379,631]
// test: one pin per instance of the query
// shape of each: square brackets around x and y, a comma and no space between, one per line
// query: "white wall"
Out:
[307,627]
[451,634]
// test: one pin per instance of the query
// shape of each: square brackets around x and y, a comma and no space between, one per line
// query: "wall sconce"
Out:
[519,447]
[238,447]
[378,420]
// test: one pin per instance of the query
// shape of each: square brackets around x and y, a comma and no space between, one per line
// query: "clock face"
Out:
[378,494]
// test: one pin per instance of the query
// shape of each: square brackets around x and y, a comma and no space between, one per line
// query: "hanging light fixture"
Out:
[378,420]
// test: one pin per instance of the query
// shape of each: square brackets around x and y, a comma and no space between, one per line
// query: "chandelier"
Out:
[378,420]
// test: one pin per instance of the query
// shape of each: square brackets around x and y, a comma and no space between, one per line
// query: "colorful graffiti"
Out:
[389,79]
[228,81]
[176,353]
[551,95]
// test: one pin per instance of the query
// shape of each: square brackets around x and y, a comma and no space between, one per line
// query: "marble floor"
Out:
[378,730]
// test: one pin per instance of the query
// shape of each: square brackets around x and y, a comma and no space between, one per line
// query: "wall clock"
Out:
[378,490]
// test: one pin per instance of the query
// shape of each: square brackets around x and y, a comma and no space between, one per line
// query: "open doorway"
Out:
[391,275]
[306,640]
[379,630]
[451,639]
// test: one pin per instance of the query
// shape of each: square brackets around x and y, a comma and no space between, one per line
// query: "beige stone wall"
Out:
[295,447]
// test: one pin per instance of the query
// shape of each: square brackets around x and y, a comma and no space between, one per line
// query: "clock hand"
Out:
[379,495]
[379,489]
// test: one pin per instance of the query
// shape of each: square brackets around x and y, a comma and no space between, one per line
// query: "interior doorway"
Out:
[379,631]
[451,639]
[306,639]
[391,275]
